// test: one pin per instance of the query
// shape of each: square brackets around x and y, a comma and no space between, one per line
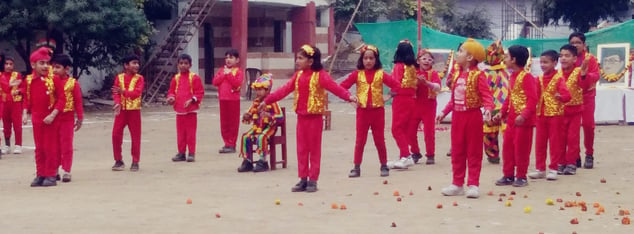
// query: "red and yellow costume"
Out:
[130,115]
[12,108]
[573,112]
[186,87]
[469,92]
[229,97]
[518,139]
[43,94]
[550,120]
[402,111]
[309,88]
[73,105]
[370,111]
[589,94]
[498,83]
[425,111]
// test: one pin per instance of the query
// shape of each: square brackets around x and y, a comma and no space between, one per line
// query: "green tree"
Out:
[474,24]
[580,14]
[94,34]
[371,10]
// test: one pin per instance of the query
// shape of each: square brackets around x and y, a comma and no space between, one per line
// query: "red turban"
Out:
[42,53]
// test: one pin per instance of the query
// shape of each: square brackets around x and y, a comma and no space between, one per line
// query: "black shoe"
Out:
[520,182]
[589,163]
[560,169]
[227,150]
[449,154]
[416,157]
[578,162]
[134,166]
[66,178]
[58,178]
[261,166]
[430,160]
[570,169]
[37,182]
[191,158]
[300,186]
[311,187]
[355,172]
[118,166]
[504,181]
[179,158]
[49,181]
[246,166]
[494,160]
[385,171]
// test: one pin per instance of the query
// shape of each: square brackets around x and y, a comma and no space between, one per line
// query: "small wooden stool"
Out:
[278,139]
[327,120]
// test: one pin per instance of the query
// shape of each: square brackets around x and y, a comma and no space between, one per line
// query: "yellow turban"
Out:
[475,49]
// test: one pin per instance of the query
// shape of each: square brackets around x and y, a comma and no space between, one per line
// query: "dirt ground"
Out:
[153,200]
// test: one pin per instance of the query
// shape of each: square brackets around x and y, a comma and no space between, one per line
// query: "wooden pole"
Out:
[419,42]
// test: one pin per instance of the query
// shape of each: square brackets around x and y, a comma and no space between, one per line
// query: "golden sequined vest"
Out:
[518,95]
[129,103]
[377,89]
[552,106]
[473,99]
[316,94]
[576,92]
[70,98]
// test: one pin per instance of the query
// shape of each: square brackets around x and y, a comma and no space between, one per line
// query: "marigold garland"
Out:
[615,77]
[447,63]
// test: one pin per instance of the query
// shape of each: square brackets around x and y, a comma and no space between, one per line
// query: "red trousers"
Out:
[46,138]
[549,132]
[132,119]
[426,113]
[516,150]
[229,121]
[466,146]
[66,134]
[12,117]
[402,113]
[309,128]
[572,125]
[588,124]
[370,118]
[186,125]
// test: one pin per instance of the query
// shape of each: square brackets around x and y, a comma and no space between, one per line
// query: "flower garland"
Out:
[447,63]
[615,77]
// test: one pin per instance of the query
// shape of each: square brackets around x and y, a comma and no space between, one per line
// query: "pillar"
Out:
[304,23]
[239,20]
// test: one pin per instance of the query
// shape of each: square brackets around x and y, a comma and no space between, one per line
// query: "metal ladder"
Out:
[160,67]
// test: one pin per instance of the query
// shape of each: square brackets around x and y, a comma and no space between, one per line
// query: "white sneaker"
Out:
[552,175]
[537,175]
[452,190]
[5,149]
[404,163]
[390,164]
[17,149]
[473,192]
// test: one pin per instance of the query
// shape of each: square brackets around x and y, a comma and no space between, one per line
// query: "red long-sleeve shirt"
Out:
[422,91]
[5,78]
[592,76]
[186,91]
[483,91]
[129,95]
[303,90]
[562,89]
[228,84]
[38,101]
[78,106]
[529,85]
[369,76]
[398,73]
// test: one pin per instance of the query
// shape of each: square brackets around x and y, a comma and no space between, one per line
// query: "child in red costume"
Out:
[573,110]
[469,92]
[12,89]
[369,79]
[126,93]
[185,94]
[44,100]
[404,72]
[263,126]
[519,112]
[590,73]
[425,107]
[67,124]
[553,94]
[309,85]
[229,80]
